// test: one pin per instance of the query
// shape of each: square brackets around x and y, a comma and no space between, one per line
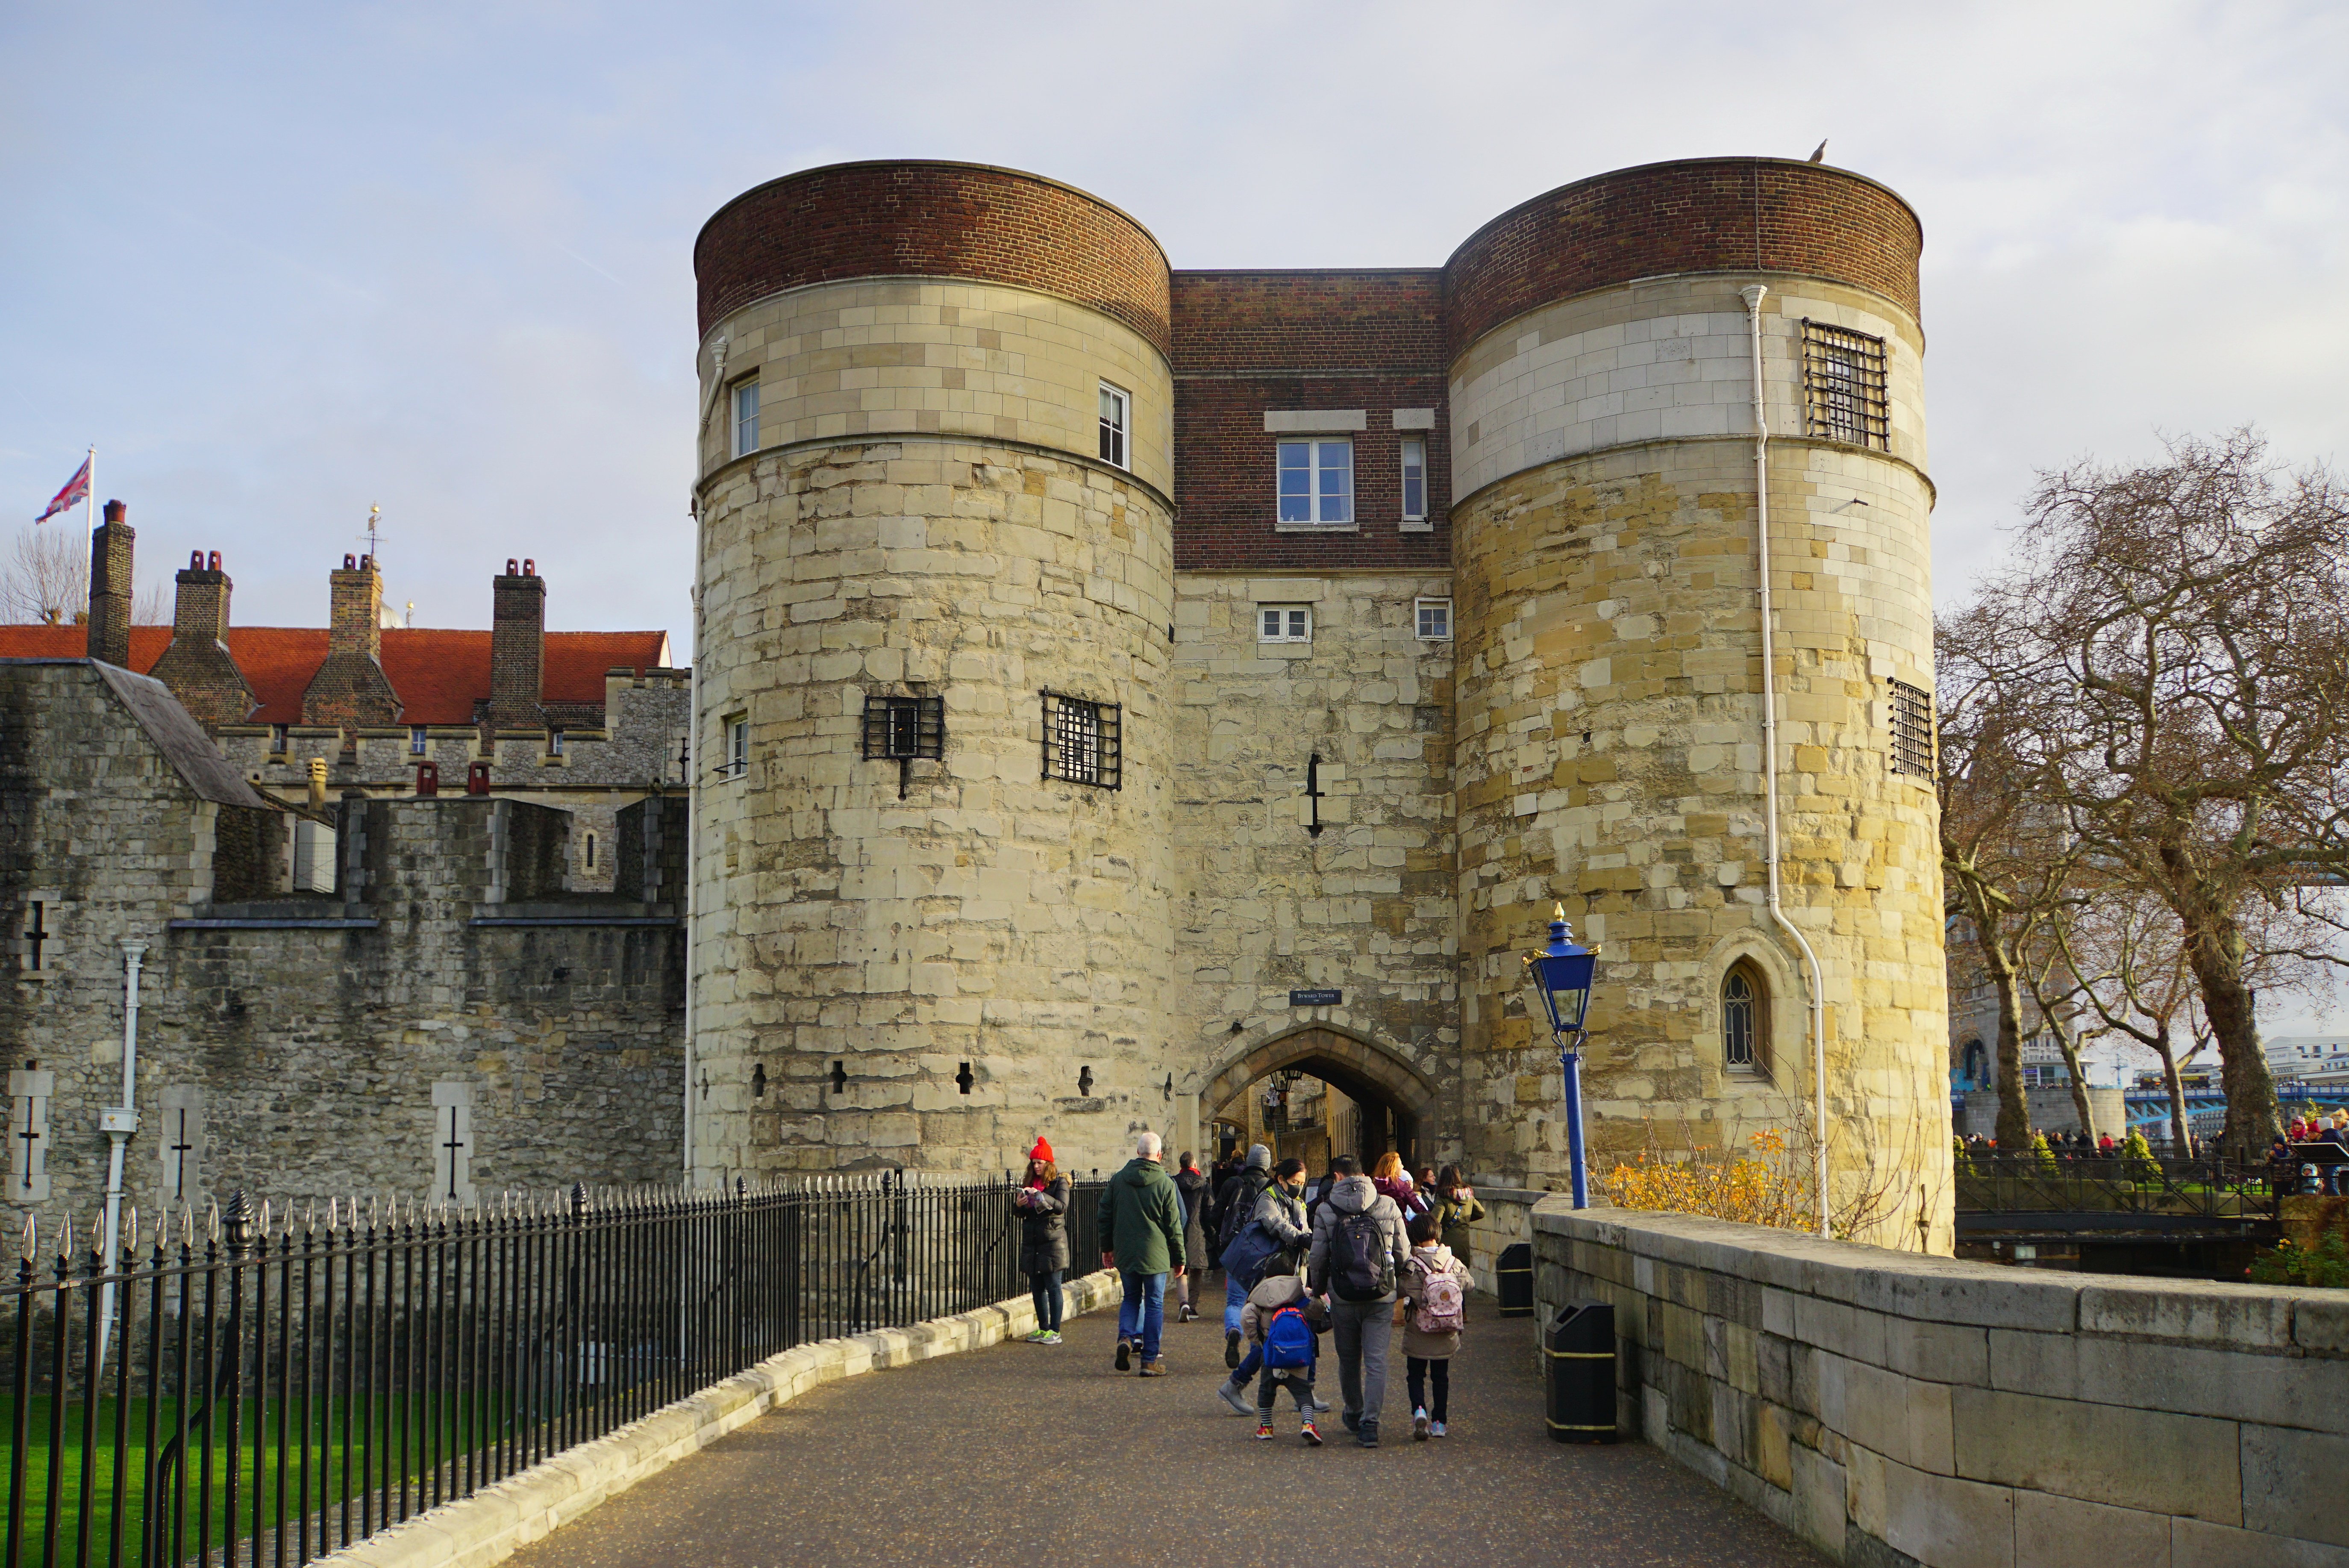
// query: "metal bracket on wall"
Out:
[1313,793]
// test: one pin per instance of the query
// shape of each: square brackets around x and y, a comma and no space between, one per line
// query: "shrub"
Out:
[2324,1264]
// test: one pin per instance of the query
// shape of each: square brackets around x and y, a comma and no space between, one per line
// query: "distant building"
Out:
[2309,1058]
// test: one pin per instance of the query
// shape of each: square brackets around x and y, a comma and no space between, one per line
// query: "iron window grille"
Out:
[1081,741]
[1912,729]
[1843,386]
[900,729]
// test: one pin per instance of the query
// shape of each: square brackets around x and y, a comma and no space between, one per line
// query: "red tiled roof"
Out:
[438,674]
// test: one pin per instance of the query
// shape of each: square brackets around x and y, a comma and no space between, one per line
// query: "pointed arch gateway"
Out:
[1362,1070]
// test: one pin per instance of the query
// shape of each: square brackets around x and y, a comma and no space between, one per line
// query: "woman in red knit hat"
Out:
[1043,1207]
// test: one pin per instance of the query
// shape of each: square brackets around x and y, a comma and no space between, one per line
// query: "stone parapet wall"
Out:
[1897,1409]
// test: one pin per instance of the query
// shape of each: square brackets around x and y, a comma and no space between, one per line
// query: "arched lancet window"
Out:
[1977,1067]
[1745,1019]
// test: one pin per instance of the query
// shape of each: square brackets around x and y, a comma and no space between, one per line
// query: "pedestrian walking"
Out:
[1140,1223]
[1357,1257]
[1456,1209]
[1237,1201]
[1042,1205]
[1392,1178]
[1282,1324]
[1431,1312]
[1192,1187]
[1280,1235]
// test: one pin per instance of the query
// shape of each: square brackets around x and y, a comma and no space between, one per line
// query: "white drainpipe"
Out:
[1754,296]
[693,761]
[118,1122]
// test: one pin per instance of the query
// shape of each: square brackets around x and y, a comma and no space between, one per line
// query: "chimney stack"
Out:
[109,588]
[517,648]
[198,667]
[350,688]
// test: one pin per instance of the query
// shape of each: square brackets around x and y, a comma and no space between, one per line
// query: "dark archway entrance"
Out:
[1394,1107]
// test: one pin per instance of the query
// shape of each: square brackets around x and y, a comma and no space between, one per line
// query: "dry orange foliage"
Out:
[1763,1188]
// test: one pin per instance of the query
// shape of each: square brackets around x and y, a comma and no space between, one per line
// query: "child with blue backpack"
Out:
[1285,1323]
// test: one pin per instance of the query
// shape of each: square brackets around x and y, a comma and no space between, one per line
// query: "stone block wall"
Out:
[1894,1409]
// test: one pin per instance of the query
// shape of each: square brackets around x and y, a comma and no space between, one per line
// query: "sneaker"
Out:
[1419,1426]
[1231,1349]
[1353,1423]
[1436,1429]
[1230,1394]
[1126,1355]
[1263,1431]
[1189,1313]
[1155,1368]
[1319,1406]
[1037,1335]
[1051,1336]
[1366,1436]
[1312,1434]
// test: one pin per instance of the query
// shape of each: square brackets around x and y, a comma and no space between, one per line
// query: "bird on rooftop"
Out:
[1820,155]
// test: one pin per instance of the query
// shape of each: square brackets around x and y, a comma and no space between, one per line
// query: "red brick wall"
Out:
[1249,341]
[938,220]
[1712,214]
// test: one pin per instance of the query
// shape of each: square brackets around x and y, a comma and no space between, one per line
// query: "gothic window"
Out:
[1843,394]
[1745,1019]
[1912,729]
[1081,741]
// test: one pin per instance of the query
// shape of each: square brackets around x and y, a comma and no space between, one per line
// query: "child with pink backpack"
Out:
[1432,1306]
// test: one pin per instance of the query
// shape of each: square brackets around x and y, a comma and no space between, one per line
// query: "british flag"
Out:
[77,490]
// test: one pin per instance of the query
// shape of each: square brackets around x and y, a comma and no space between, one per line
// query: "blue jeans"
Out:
[1248,1365]
[1045,1286]
[1142,1316]
[1234,1298]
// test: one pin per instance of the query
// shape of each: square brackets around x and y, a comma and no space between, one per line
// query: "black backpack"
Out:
[1361,1265]
[1247,1187]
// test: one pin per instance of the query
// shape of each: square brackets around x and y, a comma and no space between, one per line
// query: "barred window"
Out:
[1912,729]
[1080,740]
[905,726]
[1843,386]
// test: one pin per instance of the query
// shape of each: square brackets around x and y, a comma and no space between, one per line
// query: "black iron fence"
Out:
[2119,1185]
[251,1390]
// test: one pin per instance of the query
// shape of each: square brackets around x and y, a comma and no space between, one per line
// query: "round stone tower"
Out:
[1609,727]
[934,578]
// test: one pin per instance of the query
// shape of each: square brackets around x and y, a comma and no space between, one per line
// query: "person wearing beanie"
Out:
[1042,1205]
[1236,1203]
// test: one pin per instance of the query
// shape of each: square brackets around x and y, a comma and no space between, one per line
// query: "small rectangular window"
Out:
[738,748]
[555,742]
[1081,741]
[746,417]
[278,738]
[1317,481]
[1843,386]
[1414,481]
[1912,731]
[417,742]
[1284,623]
[905,726]
[1116,422]
[1435,618]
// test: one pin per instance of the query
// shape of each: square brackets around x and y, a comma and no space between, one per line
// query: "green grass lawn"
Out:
[120,1478]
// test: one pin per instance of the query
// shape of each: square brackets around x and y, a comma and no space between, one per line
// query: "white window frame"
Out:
[1419,611]
[1316,504]
[1117,432]
[1284,623]
[1413,456]
[555,742]
[743,421]
[738,746]
[419,743]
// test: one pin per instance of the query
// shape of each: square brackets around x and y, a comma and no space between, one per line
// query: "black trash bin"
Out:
[1579,1359]
[1512,1281]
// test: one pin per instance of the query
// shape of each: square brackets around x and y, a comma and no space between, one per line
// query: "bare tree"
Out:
[45,580]
[2173,643]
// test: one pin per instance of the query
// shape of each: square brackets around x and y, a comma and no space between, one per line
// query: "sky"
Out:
[282,262]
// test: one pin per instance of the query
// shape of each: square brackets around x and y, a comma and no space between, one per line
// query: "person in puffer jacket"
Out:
[1282,1288]
[1428,1353]
[1281,1212]
[1361,1326]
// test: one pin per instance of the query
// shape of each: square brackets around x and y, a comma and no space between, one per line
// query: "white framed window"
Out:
[1284,623]
[738,747]
[1414,481]
[1433,618]
[746,416]
[278,737]
[1116,424]
[419,743]
[555,742]
[1317,480]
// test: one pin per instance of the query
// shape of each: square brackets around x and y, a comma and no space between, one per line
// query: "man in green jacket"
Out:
[1141,1229]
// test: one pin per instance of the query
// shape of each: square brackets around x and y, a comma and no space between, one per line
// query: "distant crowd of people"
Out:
[1351,1256]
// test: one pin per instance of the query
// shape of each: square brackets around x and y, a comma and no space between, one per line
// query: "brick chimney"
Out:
[350,688]
[109,588]
[197,667]
[517,648]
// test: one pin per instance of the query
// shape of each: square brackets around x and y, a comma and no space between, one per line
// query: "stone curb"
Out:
[498,1521]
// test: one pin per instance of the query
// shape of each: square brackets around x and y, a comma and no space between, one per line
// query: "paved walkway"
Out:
[1018,1456]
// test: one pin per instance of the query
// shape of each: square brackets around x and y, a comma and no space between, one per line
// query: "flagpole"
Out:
[90,501]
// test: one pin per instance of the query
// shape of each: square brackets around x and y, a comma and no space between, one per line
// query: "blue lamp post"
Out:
[1561,974]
